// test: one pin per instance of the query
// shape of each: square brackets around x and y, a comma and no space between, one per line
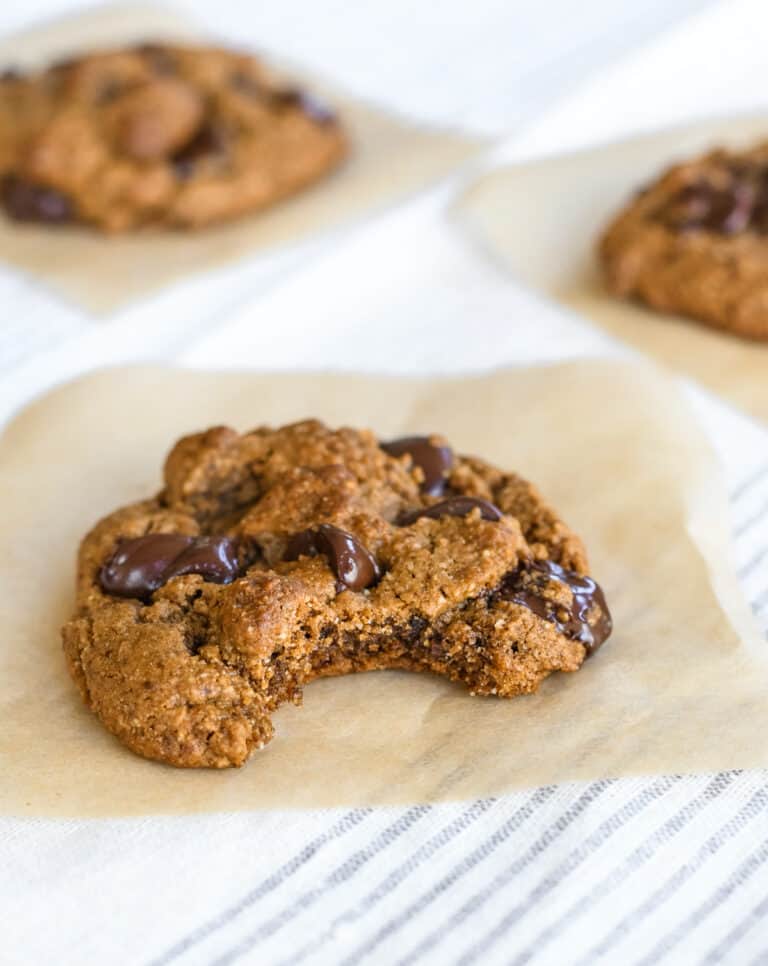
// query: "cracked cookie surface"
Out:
[274,557]
[157,135]
[695,242]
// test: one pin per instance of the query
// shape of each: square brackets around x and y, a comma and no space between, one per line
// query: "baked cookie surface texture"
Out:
[278,556]
[158,135]
[695,242]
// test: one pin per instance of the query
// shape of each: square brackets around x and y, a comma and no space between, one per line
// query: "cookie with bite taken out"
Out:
[277,556]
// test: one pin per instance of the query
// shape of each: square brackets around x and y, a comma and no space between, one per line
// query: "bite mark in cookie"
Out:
[159,135]
[278,556]
[695,242]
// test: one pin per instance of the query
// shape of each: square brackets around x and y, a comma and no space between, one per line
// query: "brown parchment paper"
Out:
[390,158]
[543,219]
[680,687]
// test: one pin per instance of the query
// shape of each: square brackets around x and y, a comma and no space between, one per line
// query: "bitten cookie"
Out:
[696,242]
[157,135]
[275,557]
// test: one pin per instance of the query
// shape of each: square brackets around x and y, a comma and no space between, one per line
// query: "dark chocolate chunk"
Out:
[302,544]
[25,201]
[433,459]
[140,565]
[310,105]
[214,558]
[735,205]
[701,205]
[10,74]
[353,564]
[587,620]
[208,142]
[454,506]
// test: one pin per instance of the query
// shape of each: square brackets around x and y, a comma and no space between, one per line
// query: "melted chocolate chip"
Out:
[311,106]
[214,558]
[353,564]
[302,544]
[10,74]
[25,201]
[454,506]
[208,142]
[526,585]
[734,206]
[433,459]
[138,566]
[141,565]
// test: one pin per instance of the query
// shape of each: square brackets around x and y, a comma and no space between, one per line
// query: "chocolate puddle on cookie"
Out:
[26,201]
[526,586]
[138,567]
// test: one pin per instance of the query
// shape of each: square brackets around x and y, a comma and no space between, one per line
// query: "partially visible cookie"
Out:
[157,134]
[279,556]
[696,242]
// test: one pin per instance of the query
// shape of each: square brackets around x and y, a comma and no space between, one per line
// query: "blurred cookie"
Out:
[157,134]
[695,242]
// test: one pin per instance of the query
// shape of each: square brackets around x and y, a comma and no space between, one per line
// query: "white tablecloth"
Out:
[670,869]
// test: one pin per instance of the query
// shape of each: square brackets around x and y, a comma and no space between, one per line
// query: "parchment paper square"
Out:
[680,687]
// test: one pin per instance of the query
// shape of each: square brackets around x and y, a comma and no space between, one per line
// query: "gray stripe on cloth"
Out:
[661,895]
[349,821]
[746,525]
[754,916]
[635,806]
[760,600]
[551,835]
[470,861]
[752,563]
[342,873]
[737,879]
[747,484]
[425,852]
[631,863]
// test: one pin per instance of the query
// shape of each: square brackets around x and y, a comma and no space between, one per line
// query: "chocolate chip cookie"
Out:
[278,556]
[696,242]
[157,134]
